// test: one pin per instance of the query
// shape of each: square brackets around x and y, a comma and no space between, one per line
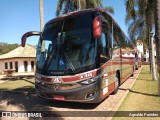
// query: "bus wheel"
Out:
[137,66]
[132,72]
[117,83]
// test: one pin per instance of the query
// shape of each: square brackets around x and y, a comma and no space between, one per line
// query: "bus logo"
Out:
[56,80]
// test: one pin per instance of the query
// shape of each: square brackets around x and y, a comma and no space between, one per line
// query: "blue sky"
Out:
[20,16]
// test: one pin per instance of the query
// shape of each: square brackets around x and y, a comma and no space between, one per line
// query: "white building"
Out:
[139,45]
[145,52]
[21,59]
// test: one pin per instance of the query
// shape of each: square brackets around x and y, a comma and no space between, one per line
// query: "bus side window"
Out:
[103,45]
[103,49]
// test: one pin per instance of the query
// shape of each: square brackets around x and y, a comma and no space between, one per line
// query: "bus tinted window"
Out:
[69,45]
[78,22]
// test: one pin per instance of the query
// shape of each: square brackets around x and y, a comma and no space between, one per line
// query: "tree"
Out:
[140,17]
[157,37]
[41,14]
[109,9]
[154,76]
[5,48]
[66,6]
[41,20]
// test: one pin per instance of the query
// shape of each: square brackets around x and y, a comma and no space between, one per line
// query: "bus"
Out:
[79,57]
[138,59]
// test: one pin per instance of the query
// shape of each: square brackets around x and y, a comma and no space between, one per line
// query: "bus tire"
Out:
[132,72]
[117,83]
[137,66]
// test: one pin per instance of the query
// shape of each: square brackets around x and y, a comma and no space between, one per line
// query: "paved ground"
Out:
[25,102]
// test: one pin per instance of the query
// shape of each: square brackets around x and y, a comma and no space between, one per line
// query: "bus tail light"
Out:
[97,27]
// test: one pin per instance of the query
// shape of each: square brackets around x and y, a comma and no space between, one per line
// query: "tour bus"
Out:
[138,59]
[79,57]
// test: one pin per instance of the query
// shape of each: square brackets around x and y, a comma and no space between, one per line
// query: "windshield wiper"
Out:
[49,57]
[68,59]
[47,63]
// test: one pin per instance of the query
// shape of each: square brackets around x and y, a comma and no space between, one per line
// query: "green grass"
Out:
[143,96]
[23,85]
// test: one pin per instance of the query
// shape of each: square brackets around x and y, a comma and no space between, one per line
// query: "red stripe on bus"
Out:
[46,79]
[71,79]
[128,63]
[94,73]
[127,57]
[97,72]
[111,87]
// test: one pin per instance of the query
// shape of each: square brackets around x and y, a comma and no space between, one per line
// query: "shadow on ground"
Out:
[142,93]
[26,100]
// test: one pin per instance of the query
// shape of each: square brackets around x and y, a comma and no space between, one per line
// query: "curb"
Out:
[124,96]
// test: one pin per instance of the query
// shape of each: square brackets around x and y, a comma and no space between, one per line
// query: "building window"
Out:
[6,65]
[32,66]
[16,66]
[25,66]
[11,65]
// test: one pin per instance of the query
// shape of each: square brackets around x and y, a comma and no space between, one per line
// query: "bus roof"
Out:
[71,14]
[81,12]
[76,13]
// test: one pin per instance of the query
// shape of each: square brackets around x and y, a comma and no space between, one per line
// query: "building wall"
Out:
[20,61]
[20,66]
[140,47]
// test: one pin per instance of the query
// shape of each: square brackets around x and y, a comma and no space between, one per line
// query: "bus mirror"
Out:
[97,27]
[28,34]
[110,53]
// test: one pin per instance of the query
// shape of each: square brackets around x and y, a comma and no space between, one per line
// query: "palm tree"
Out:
[41,14]
[66,6]
[157,35]
[109,9]
[140,17]
[41,20]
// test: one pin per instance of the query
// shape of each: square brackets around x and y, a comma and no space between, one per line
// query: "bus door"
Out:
[106,60]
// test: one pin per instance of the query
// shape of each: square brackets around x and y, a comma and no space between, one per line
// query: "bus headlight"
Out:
[89,81]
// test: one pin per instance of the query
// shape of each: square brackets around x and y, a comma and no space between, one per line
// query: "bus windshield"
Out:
[67,46]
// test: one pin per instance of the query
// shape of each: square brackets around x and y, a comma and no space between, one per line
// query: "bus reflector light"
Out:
[58,97]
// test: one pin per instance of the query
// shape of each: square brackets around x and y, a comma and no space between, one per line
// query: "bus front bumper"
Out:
[85,94]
